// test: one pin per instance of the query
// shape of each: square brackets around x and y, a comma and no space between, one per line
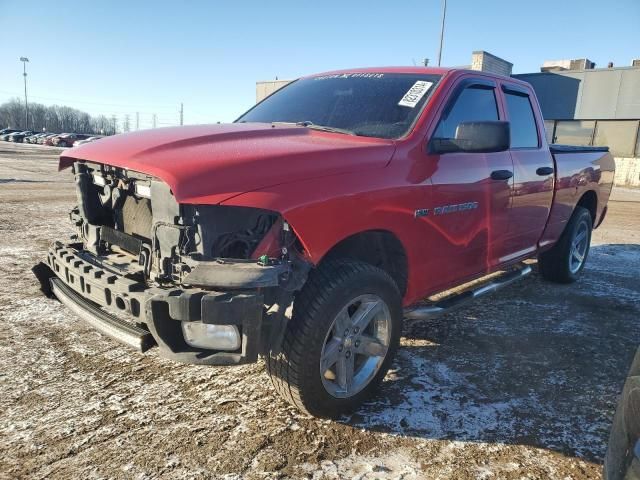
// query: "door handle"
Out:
[542,171]
[501,174]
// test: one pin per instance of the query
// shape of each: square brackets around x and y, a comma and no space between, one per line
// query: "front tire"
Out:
[564,262]
[341,339]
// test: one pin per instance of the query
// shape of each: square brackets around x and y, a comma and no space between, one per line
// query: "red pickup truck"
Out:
[309,228]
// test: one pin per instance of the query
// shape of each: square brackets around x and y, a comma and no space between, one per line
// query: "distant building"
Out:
[594,107]
[560,65]
[266,88]
[487,62]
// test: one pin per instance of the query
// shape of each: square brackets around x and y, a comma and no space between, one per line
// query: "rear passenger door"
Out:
[533,173]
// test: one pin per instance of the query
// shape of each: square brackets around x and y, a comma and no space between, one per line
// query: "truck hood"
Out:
[208,164]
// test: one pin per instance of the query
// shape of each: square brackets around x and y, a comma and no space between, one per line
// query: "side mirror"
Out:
[475,137]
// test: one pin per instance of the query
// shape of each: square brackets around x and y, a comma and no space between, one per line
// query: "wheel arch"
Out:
[380,248]
[589,200]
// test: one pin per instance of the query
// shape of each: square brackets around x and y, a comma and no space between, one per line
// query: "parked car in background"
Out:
[49,139]
[8,137]
[33,138]
[40,139]
[68,139]
[18,137]
[7,131]
[28,138]
[61,139]
[87,140]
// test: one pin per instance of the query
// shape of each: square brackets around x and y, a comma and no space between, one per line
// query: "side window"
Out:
[474,104]
[524,133]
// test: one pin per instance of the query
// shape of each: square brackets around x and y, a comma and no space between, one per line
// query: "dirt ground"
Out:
[519,385]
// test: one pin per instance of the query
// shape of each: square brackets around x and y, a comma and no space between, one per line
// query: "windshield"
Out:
[381,105]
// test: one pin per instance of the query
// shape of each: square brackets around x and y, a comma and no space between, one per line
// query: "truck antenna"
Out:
[444,14]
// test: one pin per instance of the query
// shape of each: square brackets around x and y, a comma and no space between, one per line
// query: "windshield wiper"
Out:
[310,124]
[324,128]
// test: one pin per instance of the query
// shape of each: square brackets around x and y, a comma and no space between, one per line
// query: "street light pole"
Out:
[444,14]
[24,61]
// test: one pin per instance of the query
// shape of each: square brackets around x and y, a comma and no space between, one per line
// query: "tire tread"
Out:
[553,264]
[284,369]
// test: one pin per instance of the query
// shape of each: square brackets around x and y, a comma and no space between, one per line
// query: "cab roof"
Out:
[418,70]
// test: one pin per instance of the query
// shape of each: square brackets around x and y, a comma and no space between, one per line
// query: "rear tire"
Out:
[564,262]
[341,339]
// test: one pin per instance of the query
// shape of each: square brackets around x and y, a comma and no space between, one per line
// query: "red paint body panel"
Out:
[331,186]
[578,173]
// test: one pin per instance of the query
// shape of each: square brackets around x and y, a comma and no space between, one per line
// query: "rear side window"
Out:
[474,104]
[524,133]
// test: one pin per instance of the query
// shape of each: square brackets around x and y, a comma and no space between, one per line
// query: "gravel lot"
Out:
[519,385]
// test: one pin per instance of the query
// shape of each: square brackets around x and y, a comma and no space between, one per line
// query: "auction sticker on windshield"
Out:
[415,93]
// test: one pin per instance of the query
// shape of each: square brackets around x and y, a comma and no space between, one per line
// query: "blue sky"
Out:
[120,57]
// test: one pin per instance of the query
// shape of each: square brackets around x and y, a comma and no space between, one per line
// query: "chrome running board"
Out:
[452,302]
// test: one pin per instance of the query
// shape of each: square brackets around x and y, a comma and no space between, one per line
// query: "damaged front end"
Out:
[209,284]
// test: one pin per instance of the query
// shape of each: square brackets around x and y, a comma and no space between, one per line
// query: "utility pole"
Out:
[113,119]
[137,120]
[444,15]
[24,61]
[125,125]
[154,120]
[181,113]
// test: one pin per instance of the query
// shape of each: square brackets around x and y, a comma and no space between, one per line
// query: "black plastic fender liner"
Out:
[119,330]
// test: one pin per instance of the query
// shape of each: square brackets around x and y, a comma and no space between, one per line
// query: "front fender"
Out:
[324,211]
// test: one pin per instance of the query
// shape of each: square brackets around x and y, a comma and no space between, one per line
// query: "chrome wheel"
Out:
[355,346]
[579,247]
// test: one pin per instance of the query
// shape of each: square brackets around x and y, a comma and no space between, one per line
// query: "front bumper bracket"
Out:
[112,326]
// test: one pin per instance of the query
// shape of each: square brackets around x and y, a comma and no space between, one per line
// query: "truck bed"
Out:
[557,148]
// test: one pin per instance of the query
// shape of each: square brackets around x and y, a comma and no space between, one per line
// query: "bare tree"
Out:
[53,118]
